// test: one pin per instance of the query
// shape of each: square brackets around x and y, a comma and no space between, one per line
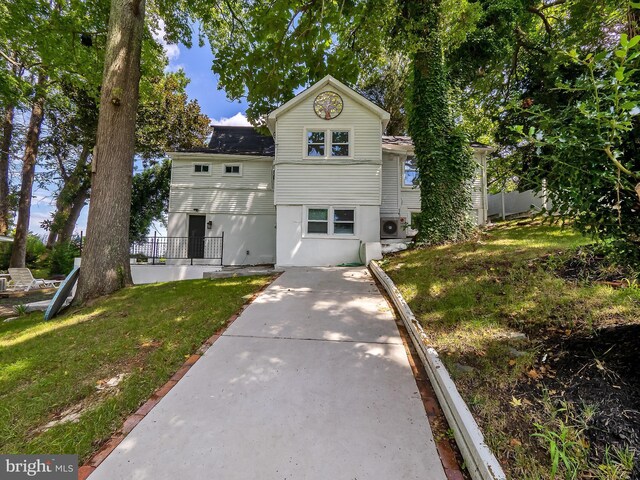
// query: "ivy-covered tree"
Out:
[443,155]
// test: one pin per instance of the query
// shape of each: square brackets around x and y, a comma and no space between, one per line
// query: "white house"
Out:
[323,184]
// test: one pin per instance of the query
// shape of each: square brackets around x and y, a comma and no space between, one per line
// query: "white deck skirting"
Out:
[480,461]
[141,274]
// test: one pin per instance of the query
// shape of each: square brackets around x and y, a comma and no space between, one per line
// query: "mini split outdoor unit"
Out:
[393,227]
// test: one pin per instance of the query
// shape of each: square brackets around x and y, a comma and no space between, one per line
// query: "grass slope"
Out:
[477,298]
[51,369]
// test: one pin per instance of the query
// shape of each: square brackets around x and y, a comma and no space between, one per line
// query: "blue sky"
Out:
[196,62]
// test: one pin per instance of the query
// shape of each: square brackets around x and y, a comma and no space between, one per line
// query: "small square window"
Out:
[233,170]
[410,175]
[201,168]
[315,143]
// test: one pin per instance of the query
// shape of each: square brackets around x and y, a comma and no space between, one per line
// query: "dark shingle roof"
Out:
[248,141]
[239,141]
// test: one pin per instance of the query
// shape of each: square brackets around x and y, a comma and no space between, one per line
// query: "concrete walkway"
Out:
[311,382]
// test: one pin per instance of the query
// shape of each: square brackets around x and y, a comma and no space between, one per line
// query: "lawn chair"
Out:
[22,278]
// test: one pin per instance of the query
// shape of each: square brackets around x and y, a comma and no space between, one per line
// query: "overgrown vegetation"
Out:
[54,375]
[528,346]
[443,156]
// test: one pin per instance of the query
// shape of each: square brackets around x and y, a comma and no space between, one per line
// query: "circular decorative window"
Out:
[328,105]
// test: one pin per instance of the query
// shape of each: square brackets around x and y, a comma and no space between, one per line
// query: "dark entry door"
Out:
[196,236]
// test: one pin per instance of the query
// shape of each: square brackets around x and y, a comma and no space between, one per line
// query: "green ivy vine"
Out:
[443,156]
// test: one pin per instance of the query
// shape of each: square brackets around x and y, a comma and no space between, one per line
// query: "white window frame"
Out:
[404,166]
[193,168]
[306,142]
[228,174]
[330,221]
[327,143]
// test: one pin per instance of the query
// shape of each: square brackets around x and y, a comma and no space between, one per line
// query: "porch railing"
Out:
[156,250]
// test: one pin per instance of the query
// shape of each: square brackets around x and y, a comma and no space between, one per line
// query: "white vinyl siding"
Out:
[248,193]
[390,185]
[328,184]
[364,127]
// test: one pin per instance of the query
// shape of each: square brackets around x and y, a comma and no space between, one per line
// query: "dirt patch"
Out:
[587,264]
[597,371]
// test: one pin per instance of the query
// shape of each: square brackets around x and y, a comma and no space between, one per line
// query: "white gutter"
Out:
[5,239]
[479,460]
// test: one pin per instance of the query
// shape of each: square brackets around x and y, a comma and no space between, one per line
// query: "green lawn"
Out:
[477,298]
[144,332]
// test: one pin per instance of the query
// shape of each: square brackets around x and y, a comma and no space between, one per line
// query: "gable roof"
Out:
[227,140]
[316,88]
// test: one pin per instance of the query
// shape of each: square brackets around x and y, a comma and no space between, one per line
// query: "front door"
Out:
[196,236]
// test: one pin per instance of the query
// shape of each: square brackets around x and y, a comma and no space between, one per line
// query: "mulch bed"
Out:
[600,369]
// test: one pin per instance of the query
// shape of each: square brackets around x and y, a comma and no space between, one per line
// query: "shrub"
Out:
[61,258]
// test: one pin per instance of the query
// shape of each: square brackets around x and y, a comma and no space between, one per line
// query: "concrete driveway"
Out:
[312,381]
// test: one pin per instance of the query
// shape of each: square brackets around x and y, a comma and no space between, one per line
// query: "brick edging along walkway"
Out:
[132,420]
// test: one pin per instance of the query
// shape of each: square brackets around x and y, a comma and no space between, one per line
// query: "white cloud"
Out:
[171,50]
[238,120]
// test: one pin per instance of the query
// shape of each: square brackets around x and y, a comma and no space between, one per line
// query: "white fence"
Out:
[515,203]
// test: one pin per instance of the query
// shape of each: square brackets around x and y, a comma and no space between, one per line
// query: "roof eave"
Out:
[327,80]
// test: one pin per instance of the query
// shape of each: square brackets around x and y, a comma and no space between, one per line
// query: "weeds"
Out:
[568,448]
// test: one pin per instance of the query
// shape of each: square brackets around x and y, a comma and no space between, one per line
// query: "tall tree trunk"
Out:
[74,213]
[72,196]
[5,147]
[105,259]
[19,249]
[444,161]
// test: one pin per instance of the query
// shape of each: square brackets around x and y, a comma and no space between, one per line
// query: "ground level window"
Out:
[410,176]
[201,168]
[331,221]
[343,221]
[318,220]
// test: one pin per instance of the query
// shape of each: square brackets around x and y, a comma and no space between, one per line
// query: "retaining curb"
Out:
[480,461]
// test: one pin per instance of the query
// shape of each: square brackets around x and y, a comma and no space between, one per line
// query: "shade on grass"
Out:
[475,299]
[144,332]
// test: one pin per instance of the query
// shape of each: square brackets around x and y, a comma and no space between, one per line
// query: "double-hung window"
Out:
[410,173]
[318,220]
[340,143]
[328,143]
[330,221]
[316,143]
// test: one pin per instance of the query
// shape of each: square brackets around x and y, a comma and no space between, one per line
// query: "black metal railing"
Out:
[156,250]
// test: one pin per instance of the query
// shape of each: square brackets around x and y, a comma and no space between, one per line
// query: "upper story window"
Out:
[340,143]
[234,170]
[316,143]
[328,143]
[410,173]
[201,168]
